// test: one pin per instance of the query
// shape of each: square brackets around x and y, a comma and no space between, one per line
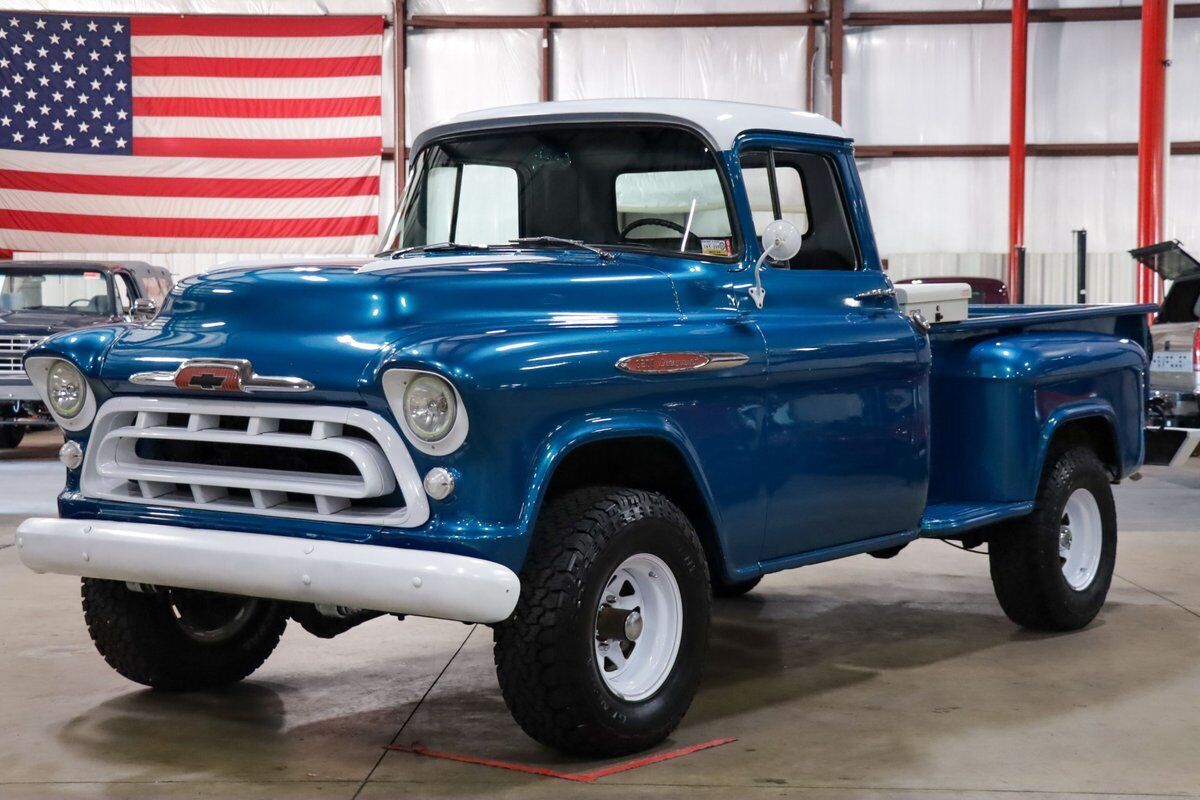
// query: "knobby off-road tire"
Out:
[180,640]
[724,588]
[593,547]
[1041,585]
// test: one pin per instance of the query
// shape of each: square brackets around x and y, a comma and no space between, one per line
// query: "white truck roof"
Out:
[719,120]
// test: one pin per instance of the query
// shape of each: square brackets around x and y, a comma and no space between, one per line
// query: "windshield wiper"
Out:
[436,247]
[527,240]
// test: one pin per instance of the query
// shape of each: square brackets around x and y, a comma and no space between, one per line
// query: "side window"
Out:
[472,204]
[804,189]
[124,295]
[680,209]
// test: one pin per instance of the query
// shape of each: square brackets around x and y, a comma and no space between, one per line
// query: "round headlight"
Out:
[66,389]
[430,407]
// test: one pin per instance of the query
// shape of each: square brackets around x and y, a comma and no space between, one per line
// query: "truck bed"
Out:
[1004,381]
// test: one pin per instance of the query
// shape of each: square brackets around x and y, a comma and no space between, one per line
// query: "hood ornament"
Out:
[228,375]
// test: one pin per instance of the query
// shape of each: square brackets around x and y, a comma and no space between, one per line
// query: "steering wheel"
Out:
[665,223]
[82,301]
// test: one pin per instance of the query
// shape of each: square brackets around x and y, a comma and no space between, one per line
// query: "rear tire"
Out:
[11,436]
[179,639]
[1051,570]
[574,679]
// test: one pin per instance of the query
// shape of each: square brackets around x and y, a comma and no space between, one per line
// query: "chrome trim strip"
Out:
[249,381]
[715,361]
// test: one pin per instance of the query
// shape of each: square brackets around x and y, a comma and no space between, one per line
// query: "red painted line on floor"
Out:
[577,777]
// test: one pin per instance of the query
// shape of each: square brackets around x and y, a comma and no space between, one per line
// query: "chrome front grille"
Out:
[12,348]
[277,459]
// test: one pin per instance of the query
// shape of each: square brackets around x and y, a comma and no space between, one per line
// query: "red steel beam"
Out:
[1190,148]
[1151,139]
[547,56]
[1016,144]
[864,19]
[400,52]
[753,20]
[837,42]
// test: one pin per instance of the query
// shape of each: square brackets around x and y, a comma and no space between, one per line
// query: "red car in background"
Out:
[984,291]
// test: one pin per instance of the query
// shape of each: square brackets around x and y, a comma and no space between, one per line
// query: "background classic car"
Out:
[577,397]
[41,298]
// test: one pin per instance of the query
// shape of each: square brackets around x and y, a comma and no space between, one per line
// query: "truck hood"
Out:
[330,323]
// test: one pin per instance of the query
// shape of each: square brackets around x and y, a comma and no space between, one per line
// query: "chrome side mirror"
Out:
[144,309]
[780,241]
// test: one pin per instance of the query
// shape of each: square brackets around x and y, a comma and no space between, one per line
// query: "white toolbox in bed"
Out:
[937,302]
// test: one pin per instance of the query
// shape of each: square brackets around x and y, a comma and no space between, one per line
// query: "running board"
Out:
[947,520]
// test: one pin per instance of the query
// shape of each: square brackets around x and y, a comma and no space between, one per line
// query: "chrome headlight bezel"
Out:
[396,386]
[38,368]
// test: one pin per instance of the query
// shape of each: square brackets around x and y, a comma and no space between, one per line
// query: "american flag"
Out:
[189,134]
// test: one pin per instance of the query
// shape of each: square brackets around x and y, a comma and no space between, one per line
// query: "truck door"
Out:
[846,456]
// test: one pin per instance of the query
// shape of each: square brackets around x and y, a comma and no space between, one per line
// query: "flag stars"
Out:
[83,127]
[121,143]
[27,36]
[108,71]
[5,91]
[108,99]
[109,128]
[41,24]
[83,98]
[122,114]
[69,141]
[56,68]
[31,94]
[43,81]
[5,121]
[96,113]
[93,27]
[19,108]
[120,56]
[69,55]
[58,96]
[95,141]
[30,66]
[79,41]
[18,137]
[44,110]
[94,56]
[118,27]
[121,86]
[13,21]
[107,42]
[57,125]
[66,24]
[70,111]
[18,78]
[70,83]
[31,122]
[81,69]
[42,52]
[43,139]
[95,85]
[54,38]
[16,49]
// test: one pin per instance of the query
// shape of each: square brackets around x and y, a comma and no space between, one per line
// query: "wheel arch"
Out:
[1092,424]
[640,452]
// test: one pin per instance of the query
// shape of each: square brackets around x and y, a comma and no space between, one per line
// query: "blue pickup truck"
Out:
[618,357]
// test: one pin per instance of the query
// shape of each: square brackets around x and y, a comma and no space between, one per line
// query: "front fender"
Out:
[590,428]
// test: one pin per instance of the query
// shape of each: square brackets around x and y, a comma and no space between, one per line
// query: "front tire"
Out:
[180,639]
[10,436]
[1051,570]
[604,652]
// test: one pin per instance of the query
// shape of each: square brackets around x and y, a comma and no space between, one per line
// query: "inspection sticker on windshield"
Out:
[1166,361]
[92,275]
[715,247]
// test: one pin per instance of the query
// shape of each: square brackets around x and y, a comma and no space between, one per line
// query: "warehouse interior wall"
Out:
[937,84]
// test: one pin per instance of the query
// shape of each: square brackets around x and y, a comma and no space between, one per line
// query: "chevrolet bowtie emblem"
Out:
[220,375]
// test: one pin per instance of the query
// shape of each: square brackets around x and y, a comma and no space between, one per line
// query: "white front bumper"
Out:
[372,577]
[18,391]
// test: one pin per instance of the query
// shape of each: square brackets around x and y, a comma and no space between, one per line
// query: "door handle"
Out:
[875,294]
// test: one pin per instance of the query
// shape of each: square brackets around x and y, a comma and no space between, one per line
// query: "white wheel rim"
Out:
[1080,539]
[634,670]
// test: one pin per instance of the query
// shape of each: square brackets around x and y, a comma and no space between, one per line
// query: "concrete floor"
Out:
[858,679]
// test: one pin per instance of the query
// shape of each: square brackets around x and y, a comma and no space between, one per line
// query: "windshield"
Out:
[635,186]
[79,292]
